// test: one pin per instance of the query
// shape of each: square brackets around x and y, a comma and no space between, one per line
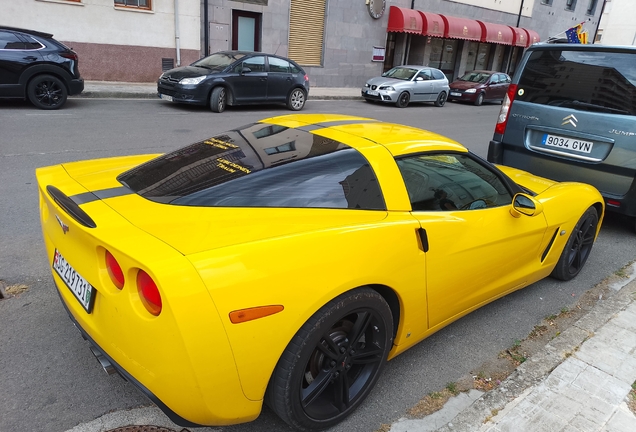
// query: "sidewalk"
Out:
[579,382]
[111,89]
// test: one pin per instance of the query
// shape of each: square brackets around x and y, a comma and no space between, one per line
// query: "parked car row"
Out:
[36,67]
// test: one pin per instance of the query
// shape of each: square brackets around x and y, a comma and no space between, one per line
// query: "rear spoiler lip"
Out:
[70,207]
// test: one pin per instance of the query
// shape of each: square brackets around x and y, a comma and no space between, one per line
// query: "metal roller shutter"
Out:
[306,31]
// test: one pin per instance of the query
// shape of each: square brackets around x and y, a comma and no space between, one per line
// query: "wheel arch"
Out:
[43,69]
[392,299]
[228,91]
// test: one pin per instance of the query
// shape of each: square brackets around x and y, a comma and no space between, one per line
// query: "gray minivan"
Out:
[570,115]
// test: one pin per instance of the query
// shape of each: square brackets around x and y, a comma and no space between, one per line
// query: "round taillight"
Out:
[114,271]
[149,293]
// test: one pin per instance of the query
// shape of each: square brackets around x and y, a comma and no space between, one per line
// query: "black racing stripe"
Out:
[87,197]
[323,125]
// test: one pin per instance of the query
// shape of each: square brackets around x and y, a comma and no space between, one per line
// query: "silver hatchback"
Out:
[404,84]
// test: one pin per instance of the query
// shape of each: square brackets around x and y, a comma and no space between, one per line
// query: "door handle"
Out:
[423,239]
[30,58]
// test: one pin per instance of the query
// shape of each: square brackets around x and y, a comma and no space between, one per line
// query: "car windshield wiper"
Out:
[203,66]
[596,107]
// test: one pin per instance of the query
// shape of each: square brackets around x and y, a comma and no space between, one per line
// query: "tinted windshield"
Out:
[260,165]
[585,80]
[402,73]
[476,77]
[218,60]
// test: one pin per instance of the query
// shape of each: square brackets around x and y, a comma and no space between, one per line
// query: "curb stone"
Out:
[534,370]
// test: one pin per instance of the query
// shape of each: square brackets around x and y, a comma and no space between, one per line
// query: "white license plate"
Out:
[165,97]
[567,143]
[81,289]
[373,92]
[455,94]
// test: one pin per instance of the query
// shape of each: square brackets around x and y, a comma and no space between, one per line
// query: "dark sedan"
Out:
[36,67]
[236,78]
[479,86]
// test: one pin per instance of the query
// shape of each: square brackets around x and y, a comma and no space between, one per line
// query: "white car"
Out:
[404,84]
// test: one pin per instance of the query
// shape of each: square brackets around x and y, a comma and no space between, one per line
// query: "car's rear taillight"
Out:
[114,271]
[69,55]
[502,120]
[149,293]
[306,77]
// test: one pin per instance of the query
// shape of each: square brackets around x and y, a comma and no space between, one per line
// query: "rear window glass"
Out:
[595,81]
[260,165]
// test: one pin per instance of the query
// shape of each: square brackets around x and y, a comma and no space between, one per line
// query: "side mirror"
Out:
[245,70]
[523,204]
[419,79]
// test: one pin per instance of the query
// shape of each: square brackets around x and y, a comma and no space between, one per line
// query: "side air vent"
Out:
[547,249]
[70,207]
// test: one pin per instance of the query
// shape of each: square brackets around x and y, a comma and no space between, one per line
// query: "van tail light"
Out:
[149,293]
[114,271]
[502,120]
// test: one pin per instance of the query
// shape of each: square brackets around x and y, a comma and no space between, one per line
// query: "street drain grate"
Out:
[145,428]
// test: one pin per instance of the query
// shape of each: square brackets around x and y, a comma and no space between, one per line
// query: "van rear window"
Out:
[602,81]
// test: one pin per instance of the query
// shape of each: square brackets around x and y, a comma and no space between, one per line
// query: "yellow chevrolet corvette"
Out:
[287,260]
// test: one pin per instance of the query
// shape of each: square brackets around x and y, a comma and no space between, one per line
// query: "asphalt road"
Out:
[49,381]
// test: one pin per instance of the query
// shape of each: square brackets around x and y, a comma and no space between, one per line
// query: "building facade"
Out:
[340,43]
[617,23]
[116,40]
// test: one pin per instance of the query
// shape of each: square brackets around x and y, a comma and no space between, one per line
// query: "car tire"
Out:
[47,92]
[479,100]
[403,100]
[218,99]
[296,99]
[333,361]
[578,247]
[441,99]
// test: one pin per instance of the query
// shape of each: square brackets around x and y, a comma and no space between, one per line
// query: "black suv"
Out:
[33,65]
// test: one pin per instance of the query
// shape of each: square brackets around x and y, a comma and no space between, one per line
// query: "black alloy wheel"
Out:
[218,99]
[441,99]
[403,100]
[333,362]
[47,92]
[578,247]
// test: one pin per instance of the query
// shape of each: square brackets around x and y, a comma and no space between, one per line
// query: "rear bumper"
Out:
[98,351]
[75,86]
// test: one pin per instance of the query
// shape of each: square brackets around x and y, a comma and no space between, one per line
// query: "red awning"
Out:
[404,20]
[433,24]
[520,37]
[533,37]
[496,33]
[461,28]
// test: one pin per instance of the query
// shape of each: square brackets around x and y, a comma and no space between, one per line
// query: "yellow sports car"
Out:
[285,261]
